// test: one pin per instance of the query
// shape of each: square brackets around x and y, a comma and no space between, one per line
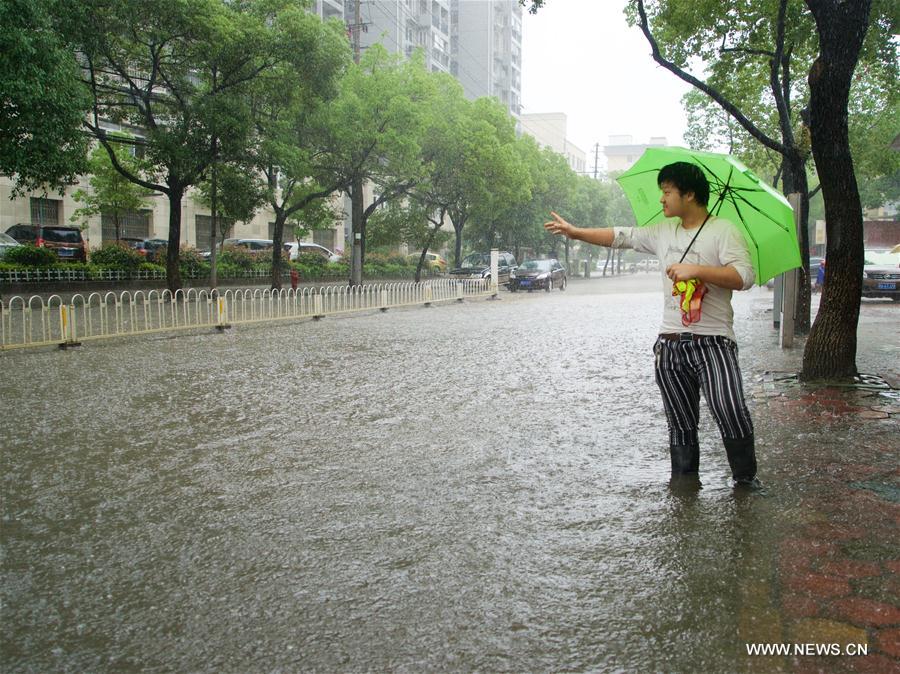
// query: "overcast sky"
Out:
[580,57]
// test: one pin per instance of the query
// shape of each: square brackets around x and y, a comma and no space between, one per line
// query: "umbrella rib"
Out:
[761,212]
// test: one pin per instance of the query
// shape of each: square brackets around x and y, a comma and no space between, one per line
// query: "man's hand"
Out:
[682,272]
[559,226]
[723,277]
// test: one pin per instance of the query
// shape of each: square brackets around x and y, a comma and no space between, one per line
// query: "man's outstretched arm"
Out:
[599,236]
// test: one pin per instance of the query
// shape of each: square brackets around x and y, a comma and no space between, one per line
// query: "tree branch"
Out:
[775,65]
[727,105]
[100,135]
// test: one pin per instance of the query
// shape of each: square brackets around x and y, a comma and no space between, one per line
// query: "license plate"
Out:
[66,252]
[887,286]
[524,284]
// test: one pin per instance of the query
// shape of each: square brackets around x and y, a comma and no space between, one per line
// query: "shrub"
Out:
[397,259]
[191,263]
[311,260]
[117,256]
[30,256]
[236,256]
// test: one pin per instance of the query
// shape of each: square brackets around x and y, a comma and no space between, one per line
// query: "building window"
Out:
[204,228]
[324,237]
[132,225]
[45,211]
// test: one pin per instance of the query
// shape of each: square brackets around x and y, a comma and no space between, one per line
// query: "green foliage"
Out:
[238,257]
[42,103]
[111,192]
[117,255]
[30,256]
[191,263]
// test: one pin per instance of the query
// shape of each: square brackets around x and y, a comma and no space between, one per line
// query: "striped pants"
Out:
[707,364]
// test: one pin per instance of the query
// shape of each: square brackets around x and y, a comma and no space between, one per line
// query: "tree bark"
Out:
[277,248]
[831,348]
[356,219]
[173,270]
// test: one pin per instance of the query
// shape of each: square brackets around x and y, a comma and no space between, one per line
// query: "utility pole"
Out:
[596,158]
[356,185]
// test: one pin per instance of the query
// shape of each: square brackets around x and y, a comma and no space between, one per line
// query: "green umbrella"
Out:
[763,215]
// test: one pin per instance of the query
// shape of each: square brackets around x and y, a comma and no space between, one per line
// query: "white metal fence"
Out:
[40,322]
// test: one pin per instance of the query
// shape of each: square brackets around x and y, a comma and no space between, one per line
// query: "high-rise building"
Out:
[329,9]
[549,129]
[486,49]
[402,26]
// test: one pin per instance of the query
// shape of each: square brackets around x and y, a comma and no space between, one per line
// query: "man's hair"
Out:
[686,177]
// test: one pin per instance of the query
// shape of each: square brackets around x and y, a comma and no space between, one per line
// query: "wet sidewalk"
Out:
[830,453]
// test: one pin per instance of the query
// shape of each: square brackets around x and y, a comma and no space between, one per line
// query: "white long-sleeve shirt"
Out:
[719,244]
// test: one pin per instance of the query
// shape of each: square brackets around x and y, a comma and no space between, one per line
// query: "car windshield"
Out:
[62,235]
[476,260]
[6,238]
[536,265]
[882,258]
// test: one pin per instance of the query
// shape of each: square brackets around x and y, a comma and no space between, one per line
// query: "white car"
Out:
[296,249]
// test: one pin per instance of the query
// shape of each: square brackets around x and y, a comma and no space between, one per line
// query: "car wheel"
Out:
[562,286]
[549,286]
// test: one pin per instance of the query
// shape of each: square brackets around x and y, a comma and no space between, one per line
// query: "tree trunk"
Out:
[173,271]
[278,248]
[831,348]
[356,219]
[214,222]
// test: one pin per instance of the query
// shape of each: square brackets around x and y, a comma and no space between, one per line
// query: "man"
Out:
[704,258]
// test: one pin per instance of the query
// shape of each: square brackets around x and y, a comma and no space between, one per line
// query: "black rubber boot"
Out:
[685,459]
[742,459]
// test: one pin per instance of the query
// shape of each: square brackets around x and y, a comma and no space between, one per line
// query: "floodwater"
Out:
[476,486]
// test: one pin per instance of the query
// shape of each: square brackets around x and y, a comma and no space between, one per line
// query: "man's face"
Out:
[673,201]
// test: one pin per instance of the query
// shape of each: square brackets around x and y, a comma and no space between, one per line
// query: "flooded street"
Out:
[475,486]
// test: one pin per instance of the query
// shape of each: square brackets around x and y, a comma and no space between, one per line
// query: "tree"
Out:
[374,135]
[841,26]
[240,196]
[179,72]
[42,144]
[111,193]
[293,124]
[494,177]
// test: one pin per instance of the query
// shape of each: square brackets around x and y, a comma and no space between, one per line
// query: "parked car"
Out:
[257,247]
[147,247]
[478,266]
[296,249]
[432,261]
[66,242]
[881,274]
[538,274]
[253,245]
[7,243]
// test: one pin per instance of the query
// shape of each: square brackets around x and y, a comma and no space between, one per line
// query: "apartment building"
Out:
[622,151]
[549,129]
[486,49]
[402,26]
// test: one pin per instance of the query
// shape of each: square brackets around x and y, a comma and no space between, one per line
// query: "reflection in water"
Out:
[475,487]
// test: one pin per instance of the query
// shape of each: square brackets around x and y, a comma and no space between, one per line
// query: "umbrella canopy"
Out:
[763,215]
